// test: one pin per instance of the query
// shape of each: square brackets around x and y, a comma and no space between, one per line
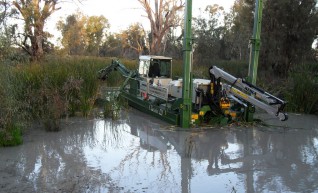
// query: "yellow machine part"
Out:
[231,113]
[194,116]
[225,103]
[212,88]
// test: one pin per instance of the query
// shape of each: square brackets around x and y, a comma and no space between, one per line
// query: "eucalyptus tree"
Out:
[173,44]
[242,28]
[95,29]
[35,13]
[112,46]
[289,30]
[73,34]
[162,15]
[209,32]
[82,35]
[6,29]
[4,10]
[134,37]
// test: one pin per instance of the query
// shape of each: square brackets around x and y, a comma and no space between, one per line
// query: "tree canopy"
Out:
[289,29]
[82,34]
[34,14]
[135,38]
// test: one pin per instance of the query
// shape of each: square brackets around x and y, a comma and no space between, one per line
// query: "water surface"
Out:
[139,153]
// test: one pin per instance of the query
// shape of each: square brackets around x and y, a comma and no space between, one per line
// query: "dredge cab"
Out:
[155,66]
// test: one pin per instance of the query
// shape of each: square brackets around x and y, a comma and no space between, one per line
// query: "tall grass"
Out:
[61,87]
[49,90]
[10,116]
[11,135]
[302,94]
[54,88]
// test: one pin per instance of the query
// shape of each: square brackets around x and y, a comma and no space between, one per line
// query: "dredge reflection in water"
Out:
[233,159]
[141,154]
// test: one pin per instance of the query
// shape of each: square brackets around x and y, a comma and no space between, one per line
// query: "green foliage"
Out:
[208,34]
[11,119]
[113,106]
[289,29]
[236,68]
[82,34]
[95,28]
[60,87]
[35,14]
[240,30]
[162,16]
[56,88]
[107,111]
[49,91]
[134,38]
[115,79]
[10,136]
[112,46]
[73,38]
[302,95]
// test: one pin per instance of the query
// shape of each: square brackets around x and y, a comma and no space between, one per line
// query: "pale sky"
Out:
[120,13]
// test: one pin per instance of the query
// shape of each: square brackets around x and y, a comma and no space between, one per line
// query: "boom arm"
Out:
[115,65]
[248,92]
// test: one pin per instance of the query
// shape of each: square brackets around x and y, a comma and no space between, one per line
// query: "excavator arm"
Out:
[115,65]
[242,92]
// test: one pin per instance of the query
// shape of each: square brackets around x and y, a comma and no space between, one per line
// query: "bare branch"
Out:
[162,17]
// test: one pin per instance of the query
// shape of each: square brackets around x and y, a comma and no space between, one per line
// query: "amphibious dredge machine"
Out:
[220,99]
[187,101]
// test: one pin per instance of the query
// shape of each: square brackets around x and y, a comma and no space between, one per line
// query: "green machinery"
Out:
[187,67]
[187,101]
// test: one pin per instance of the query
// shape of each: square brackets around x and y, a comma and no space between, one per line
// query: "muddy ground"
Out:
[139,153]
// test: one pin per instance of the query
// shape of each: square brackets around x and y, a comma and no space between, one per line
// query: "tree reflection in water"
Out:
[54,162]
[139,154]
[258,158]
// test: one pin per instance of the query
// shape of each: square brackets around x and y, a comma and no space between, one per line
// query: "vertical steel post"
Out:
[255,43]
[186,107]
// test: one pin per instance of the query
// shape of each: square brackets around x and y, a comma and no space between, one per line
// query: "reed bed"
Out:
[60,87]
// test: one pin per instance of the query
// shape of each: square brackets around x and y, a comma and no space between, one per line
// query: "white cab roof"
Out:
[148,57]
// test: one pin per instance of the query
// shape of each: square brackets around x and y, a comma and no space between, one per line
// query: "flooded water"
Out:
[141,154]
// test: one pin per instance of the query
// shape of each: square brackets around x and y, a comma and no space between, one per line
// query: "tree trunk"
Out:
[37,44]
[162,17]
[34,14]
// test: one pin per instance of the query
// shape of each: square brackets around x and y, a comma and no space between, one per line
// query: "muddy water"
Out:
[141,154]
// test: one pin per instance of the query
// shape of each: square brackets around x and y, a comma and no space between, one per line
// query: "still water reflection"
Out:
[141,154]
